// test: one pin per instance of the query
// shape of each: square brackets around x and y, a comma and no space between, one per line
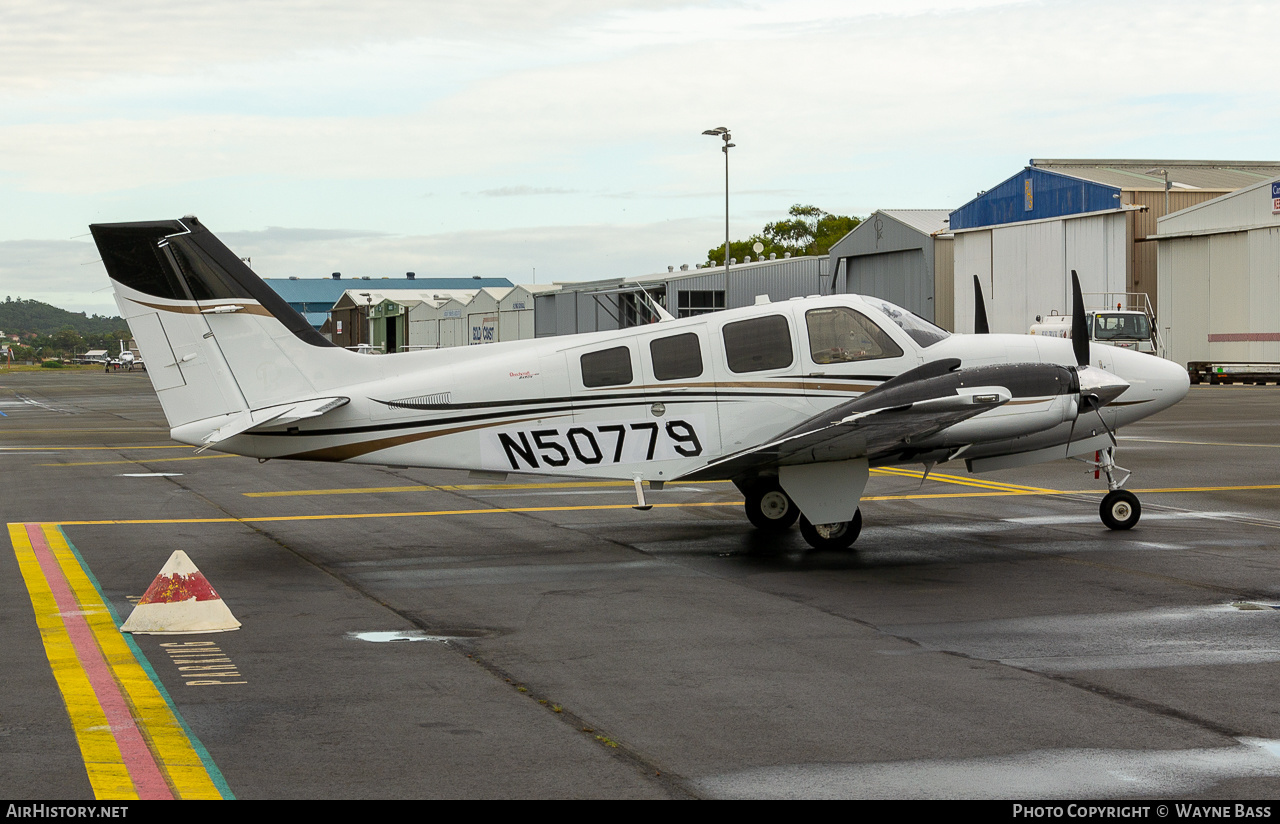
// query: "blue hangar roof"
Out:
[1035,194]
[320,294]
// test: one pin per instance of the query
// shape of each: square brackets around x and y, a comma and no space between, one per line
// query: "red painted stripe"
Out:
[147,778]
[169,589]
[1241,337]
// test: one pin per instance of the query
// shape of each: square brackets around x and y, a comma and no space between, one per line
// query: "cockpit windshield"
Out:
[920,330]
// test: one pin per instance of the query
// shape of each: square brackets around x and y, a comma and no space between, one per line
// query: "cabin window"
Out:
[758,344]
[679,356]
[841,335]
[608,367]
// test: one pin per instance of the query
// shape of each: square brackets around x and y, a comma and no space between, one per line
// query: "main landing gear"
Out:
[770,509]
[832,536]
[1120,508]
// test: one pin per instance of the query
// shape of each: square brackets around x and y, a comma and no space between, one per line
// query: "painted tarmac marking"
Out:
[446,488]
[92,448]
[885,471]
[1202,443]
[202,663]
[133,742]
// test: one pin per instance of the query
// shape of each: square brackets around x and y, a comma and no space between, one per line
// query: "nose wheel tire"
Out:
[1120,509]
[770,509]
[832,536]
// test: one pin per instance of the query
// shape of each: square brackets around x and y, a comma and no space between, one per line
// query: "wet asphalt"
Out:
[986,641]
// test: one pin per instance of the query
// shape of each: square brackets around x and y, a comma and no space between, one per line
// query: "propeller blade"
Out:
[980,325]
[1079,325]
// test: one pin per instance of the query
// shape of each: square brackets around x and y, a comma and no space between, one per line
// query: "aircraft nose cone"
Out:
[1100,383]
[1172,381]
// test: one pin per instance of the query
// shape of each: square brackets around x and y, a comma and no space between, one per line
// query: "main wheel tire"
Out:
[832,536]
[1120,509]
[770,509]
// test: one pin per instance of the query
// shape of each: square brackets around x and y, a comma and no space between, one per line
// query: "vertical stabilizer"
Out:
[216,340]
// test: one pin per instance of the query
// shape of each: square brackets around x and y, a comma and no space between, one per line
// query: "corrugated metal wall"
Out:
[900,277]
[886,258]
[1025,268]
[1183,311]
[944,295]
[1142,259]
[1034,194]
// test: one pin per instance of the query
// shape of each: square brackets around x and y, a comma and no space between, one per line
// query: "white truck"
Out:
[1129,325]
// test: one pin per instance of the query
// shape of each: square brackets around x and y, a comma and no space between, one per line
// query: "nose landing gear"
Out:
[1120,508]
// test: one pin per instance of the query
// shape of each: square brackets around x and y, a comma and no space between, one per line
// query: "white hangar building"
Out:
[1219,273]
[1023,237]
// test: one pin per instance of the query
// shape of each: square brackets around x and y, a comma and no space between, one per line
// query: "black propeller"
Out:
[980,325]
[1079,325]
[1089,395]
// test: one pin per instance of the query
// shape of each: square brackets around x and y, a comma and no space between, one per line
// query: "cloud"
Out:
[520,191]
[64,273]
[328,114]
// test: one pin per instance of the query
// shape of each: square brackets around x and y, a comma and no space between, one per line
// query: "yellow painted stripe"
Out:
[995,493]
[89,448]
[962,481]
[165,735]
[1203,443]
[449,487]
[103,761]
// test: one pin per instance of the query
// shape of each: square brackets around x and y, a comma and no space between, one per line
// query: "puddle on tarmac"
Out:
[1041,774]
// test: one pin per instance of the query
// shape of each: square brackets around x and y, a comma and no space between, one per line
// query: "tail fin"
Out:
[216,339]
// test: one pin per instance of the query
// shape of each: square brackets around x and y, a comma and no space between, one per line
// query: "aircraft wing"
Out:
[912,406]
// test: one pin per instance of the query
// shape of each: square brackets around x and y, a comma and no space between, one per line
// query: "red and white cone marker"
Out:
[180,602]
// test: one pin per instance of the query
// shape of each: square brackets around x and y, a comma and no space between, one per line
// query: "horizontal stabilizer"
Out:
[271,416]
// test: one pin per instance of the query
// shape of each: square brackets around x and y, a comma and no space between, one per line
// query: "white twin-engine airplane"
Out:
[792,401]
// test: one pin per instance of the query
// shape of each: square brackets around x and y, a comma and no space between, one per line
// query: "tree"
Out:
[809,231]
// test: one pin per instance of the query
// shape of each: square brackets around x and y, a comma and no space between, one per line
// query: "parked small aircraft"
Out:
[792,401]
[125,360]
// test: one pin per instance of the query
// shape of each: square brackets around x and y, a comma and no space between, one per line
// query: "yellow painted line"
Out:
[147,461]
[102,758]
[1204,443]
[371,490]
[166,737]
[956,479]
[595,507]
[1210,488]
[448,487]
[89,448]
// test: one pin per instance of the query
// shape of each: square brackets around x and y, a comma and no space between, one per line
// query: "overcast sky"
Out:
[496,137]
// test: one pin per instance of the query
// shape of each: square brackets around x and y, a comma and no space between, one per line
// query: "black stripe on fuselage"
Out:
[419,424]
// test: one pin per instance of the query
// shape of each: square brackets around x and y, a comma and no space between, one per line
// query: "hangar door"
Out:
[898,277]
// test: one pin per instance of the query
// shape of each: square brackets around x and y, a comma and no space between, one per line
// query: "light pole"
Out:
[723,133]
[1164,172]
[368,319]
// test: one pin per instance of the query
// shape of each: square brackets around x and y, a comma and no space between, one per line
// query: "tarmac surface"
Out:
[987,637]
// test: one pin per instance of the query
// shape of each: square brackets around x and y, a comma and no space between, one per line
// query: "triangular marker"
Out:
[180,601]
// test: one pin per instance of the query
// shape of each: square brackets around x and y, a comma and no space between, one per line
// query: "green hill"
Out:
[24,316]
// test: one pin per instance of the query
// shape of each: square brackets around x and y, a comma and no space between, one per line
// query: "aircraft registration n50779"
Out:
[792,401]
